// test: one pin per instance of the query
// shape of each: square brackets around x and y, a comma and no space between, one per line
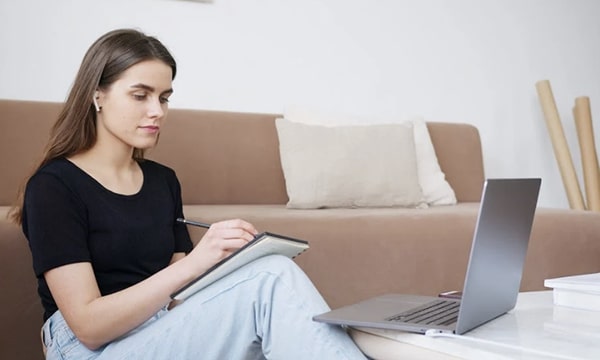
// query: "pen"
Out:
[195,223]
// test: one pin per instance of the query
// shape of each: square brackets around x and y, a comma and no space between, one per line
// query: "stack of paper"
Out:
[569,322]
[578,291]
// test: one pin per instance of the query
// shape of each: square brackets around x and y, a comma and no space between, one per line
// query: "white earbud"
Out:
[95,100]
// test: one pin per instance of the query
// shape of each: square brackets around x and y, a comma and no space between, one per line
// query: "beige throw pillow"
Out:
[436,190]
[349,166]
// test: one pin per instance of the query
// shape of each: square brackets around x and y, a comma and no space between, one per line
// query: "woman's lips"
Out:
[150,129]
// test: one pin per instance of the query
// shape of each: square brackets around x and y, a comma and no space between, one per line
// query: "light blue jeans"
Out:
[261,311]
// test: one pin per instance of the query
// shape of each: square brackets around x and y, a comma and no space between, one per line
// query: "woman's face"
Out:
[135,106]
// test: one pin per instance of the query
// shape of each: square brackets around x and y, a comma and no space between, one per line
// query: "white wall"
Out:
[474,61]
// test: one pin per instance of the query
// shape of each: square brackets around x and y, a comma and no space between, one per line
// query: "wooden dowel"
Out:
[560,145]
[589,159]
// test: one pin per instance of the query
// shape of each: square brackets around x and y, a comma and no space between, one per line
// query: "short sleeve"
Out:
[54,223]
[183,242]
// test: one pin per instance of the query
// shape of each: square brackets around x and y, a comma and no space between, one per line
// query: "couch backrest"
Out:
[458,149]
[223,157]
[24,127]
[220,157]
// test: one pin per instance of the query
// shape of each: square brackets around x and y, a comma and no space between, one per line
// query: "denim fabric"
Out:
[261,311]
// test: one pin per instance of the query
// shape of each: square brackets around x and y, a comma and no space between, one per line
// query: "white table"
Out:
[534,330]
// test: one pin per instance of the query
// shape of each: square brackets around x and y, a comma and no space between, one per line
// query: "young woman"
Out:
[108,252]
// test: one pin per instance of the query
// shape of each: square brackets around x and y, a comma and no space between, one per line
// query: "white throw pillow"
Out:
[349,166]
[436,190]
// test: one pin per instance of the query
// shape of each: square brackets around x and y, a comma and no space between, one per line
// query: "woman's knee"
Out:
[278,265]
[277,261]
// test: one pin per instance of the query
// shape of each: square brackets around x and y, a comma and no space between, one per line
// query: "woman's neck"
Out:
[118,172]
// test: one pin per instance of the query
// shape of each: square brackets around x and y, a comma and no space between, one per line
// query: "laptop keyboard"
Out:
[437,312]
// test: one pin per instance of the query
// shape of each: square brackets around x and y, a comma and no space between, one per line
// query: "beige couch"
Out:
[229,166]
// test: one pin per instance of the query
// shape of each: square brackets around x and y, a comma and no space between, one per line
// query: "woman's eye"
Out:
[164,100]
[139,96]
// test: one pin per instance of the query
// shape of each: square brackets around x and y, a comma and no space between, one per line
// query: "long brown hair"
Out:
[75,129]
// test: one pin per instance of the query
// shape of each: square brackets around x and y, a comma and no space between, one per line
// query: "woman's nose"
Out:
[156,108]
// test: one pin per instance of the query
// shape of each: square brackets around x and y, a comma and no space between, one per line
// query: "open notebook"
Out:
[263,244]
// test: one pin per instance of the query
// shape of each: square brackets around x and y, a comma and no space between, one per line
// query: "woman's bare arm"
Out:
[97,320]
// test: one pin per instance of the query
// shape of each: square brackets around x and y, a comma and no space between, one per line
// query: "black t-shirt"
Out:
[69,217]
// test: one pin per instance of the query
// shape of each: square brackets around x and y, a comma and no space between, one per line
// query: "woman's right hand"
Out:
[220,240]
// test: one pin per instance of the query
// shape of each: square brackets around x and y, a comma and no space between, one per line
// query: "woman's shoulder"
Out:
[154,166]
[59,172]
[60,168]
[156,174]
[155,169]
[54,165]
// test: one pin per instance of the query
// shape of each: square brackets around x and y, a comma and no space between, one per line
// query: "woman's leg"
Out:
[262,310]
[61,343]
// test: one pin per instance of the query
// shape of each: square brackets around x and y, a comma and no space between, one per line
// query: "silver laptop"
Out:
[493,274]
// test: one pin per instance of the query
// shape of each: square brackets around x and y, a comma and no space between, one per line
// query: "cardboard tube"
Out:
[589,159]
[560,145]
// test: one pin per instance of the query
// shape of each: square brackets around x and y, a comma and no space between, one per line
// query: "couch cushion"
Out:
[391,249]
[358,253]
[349,166]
